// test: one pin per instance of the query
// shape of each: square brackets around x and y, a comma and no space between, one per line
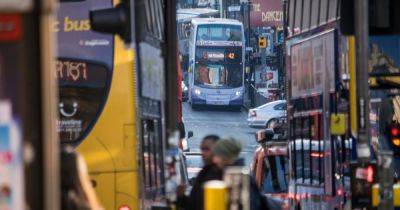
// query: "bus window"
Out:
[298,148]
[306,149]
[219,33]
[152,161]
[83,87]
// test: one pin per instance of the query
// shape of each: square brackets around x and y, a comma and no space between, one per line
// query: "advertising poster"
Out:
[313,63]
[152,70]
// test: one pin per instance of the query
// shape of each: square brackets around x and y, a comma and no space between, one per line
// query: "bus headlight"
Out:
[197,92]
[238,93]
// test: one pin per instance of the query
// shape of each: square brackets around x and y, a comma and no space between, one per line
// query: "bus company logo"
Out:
[220,43]
[71,71]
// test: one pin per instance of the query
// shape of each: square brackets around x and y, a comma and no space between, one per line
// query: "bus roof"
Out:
[201,12]
[203,21]
[185,17]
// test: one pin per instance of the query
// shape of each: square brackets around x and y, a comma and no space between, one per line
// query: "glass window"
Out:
[333,9]
[218,75]
[323,11]
[314,13]
[299,10]
[291,19]
[152,161]
[275,175]
[219,32]
[281,106]
[298,148]
[306,15]
[82,91]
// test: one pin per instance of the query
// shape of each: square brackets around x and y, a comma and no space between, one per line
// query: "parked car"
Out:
[265,115]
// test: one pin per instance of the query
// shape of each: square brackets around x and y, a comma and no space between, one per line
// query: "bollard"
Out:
[237,179]
[215,195]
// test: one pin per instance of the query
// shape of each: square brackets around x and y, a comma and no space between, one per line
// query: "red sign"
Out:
[10,28]
[266,13]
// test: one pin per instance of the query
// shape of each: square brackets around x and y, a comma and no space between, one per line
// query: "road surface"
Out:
[222,122]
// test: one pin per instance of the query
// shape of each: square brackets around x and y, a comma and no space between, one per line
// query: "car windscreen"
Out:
[275,174]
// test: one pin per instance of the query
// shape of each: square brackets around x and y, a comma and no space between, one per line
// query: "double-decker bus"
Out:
[317,59]
[97,103]
[216,62]
[183,22]
[321,81]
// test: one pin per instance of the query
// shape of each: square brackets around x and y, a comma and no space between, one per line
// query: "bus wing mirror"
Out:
[113,21]
[190,134]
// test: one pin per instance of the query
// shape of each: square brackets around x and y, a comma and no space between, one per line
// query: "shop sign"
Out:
[266,13]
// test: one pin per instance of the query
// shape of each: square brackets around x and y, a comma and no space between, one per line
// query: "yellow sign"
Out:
[338,124]
[262,42]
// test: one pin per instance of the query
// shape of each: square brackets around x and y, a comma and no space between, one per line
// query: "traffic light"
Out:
[394,138]
[116,20]
[262,42]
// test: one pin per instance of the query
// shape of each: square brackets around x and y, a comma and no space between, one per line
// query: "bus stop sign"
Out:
[363,177]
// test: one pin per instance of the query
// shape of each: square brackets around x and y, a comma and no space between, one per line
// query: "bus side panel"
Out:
[104,185]
[111,146]
[127,182]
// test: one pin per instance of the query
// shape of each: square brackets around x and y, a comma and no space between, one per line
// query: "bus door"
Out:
[28,141]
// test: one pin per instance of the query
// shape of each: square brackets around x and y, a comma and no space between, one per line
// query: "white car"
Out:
[265,115]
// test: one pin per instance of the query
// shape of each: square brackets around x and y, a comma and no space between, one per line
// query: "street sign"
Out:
[234,8]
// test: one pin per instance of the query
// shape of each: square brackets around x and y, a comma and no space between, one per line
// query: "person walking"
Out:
[209,172]
[226,153]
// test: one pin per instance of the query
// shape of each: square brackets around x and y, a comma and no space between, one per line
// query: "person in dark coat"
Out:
[209,172]
[226,153]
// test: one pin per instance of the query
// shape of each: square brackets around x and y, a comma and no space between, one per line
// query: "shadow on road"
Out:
[218,108]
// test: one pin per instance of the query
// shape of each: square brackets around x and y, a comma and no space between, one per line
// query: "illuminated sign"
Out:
[71,71]
[220,43]
[213,55]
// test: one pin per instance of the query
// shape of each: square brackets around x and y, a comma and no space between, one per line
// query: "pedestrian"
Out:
[77,192]
[226,153]
[209,172]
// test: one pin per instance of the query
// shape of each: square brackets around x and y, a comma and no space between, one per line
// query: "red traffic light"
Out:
[394,131]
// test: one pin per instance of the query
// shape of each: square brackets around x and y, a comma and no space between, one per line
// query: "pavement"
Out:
[221,121]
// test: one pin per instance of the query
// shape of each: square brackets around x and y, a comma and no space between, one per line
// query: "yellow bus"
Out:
[97,102]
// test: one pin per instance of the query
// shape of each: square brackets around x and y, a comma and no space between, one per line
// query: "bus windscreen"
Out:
[220,32]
